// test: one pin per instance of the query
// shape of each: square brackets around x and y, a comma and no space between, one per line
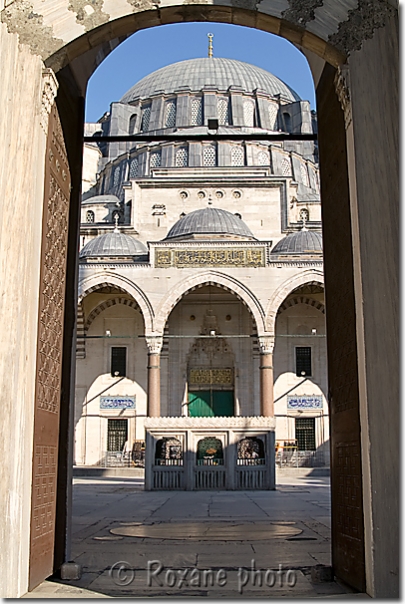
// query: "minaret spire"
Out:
[116,219]
[210,49]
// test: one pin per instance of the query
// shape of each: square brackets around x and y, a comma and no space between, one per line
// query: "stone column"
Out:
[266,345]
[154,344]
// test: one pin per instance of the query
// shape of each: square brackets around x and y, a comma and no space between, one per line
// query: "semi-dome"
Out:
[113,244]
[303,242]
[217,72]
[210,222]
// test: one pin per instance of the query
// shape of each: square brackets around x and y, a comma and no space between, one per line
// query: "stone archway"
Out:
[360,220]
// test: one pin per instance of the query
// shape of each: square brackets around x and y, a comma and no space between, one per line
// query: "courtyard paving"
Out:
[199,544]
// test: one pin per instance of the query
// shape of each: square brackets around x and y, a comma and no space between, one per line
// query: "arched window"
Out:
[249,113]
[263,158]
[237,156]
[132,124]
[304,175]
[273,110]
[196,112]
[90,216]
[209,155]
[133,168]
[116,178]
[155,159]
[287,122]
[285,167]
[304,215]
[210,452]
[145,118]
[181,157]
[170,119]
[223,112]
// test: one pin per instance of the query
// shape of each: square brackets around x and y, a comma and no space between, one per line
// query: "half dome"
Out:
[113,244]
[209,222]
[217,72]
[303,242]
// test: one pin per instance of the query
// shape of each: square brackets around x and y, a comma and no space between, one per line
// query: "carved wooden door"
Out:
[49,353]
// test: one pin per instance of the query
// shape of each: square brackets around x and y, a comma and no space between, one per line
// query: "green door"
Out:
[209,403]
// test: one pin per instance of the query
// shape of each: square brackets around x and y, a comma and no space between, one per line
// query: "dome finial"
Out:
[210,49]
[116,219]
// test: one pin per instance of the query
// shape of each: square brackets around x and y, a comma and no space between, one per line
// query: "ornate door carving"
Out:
[49,352]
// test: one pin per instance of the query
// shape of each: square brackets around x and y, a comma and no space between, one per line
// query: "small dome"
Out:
[303,242]
[210,221]
[217,72]
[113,244]
[102,199]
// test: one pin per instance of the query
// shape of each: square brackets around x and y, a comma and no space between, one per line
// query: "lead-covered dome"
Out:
[210,222]
[303,242]
[217,72]
[113,244]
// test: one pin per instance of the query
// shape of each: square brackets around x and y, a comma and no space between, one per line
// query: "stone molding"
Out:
[154,344]
[342,87]
[183,422]
[50,87]
[266,344]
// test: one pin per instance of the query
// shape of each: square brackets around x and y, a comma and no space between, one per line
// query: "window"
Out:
[196,112]
[118,361]
[90,216]
[249,113]
[237,156]
[305,433]
[209,155]
[223,112]
[132,124]
[117,434]
[181,157]
[133,168]
[263,158]
[287,122]
[116,178]
[303,366]
[170,120]
[145,118]
[304,175]
[155,159]
[304,215]
[273,110]
[285,167]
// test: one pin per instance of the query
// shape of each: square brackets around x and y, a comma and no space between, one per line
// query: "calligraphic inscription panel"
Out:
[304,402]
[200,257]
[117,402]
[220,377]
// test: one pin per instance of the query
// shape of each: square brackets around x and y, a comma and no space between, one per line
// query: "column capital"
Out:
[50,87]
[266,344]
[342,88]
[154,344]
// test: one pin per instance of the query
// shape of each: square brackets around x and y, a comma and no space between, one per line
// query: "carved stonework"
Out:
[234,257]
[266,344]
[49,90]
[301,11]
[180,423]
[342,87]
[211,377]
[154,344]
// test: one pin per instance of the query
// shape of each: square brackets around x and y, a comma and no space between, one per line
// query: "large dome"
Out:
[210,221]
[217,72]
[113,244]
[303,242]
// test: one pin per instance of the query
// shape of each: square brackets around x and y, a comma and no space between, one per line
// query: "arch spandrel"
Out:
[210,278]
[91,284]
[284,290]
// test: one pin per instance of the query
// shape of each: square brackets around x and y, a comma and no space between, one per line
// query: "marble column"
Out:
[266,345]
[154,345]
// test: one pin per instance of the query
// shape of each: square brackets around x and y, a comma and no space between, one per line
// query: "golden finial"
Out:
[210,51]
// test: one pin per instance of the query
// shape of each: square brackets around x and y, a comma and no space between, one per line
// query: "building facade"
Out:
[200,279]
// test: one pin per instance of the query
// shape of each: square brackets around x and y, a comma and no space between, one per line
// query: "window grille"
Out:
[263,158]
[117,434]
[155,159]
[196,112]
[116,176]
[133,168]
[237,156]
[305,433]
[285,167]
[223,112]
[304,215]
[118,361]
[249,113]
[273,111]
[90,216]
[303,365]
[304,175]
[181,157]
[209,155]
[145,118]
[170,114]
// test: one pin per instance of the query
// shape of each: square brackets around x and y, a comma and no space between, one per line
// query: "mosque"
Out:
[201,272]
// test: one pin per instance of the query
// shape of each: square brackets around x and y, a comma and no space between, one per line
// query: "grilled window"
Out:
[117,434]
[273,111]
[304,175]
[305,433]
[170,121]
[209,155]
[133,168]
[145,118]
[249,113]
[181,157]
[263,158]
[303,364]
[118,361]
[285,167]
[196,112]
[237,156]
[89,216]
[223,112]
[155,159]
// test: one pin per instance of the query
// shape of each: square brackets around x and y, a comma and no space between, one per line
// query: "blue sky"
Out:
[150,49]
